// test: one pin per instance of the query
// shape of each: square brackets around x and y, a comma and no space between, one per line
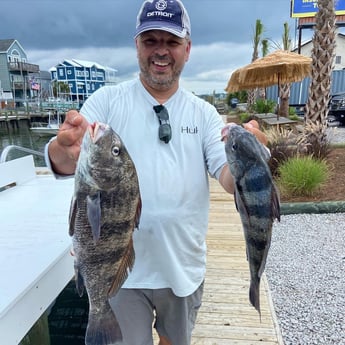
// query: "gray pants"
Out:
[174,317]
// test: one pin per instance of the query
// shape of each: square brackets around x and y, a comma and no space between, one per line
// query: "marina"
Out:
[11,119]
[22,136]
[50,128]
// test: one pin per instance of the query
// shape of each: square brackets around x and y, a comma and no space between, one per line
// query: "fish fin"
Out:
[103,329]
[264,257]
[254,294]
[126,265]
[275,204]
[138,213]
[72,215]
[79,281]
[94,214]
[236,196]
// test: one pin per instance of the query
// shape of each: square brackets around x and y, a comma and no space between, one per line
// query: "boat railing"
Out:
[9,148]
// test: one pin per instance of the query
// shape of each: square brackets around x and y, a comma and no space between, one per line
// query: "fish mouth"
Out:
[225,131]
[97,130]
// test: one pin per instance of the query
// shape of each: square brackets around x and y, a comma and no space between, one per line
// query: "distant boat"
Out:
[49,128]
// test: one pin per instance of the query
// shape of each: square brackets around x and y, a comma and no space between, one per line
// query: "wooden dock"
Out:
[226,316]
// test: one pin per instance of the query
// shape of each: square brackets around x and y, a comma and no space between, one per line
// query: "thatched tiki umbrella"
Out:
[279,67]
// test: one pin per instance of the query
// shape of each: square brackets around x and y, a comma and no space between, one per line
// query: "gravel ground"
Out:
[306,274]
[336,135]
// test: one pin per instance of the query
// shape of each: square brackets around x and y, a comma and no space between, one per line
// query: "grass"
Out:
[302,176]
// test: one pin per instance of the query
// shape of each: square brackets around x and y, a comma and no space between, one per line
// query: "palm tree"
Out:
[264,48]
[284,89]
[60,88]
[322,65]
[259,29]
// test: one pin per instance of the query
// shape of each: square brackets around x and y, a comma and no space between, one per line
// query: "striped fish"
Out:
[256,199]
[104,212]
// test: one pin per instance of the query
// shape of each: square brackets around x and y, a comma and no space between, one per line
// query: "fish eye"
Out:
[115,150]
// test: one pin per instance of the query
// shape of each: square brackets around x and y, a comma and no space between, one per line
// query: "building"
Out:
[299,90]
[82,77]
[18,78]
[339,62]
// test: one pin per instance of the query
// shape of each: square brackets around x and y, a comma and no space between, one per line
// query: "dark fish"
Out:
[105,210]
[256,198]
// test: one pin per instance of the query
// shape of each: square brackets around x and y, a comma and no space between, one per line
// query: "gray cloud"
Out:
[102,31]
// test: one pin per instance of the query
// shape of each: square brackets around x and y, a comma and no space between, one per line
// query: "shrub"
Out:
[302,176]
[292,111]
[264,106]
[244,117]
[294,117]
[283,144]
[314,137]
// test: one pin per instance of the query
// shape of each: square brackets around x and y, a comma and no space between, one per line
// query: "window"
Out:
[338,59]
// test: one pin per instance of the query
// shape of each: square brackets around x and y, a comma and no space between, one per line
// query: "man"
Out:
[174,139]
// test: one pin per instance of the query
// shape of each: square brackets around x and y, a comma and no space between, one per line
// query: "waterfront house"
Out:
[82,77]
[339,61]
[18,78]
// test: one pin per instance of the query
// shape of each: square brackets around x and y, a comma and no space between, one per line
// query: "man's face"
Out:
[161,58]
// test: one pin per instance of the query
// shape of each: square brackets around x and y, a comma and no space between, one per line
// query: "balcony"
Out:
[23,67]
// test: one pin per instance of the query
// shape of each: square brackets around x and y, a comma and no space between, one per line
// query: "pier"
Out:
[11,118]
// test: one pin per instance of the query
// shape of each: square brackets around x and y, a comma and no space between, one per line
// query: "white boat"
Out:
[49,128]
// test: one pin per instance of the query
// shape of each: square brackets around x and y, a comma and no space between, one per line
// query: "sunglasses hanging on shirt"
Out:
[164,130]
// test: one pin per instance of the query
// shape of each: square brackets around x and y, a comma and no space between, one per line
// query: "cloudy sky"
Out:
[102,31]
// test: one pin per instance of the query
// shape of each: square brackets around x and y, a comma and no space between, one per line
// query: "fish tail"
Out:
[103,329]
[254,294]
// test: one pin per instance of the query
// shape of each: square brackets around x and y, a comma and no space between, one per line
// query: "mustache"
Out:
[162,58]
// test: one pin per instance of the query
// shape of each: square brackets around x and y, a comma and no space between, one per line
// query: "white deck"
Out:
[35,262]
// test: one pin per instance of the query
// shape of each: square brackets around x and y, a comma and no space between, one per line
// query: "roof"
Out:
[309,41]
[84,63]
[88,64]
[6,44]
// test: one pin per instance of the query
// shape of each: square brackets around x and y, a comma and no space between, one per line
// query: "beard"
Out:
[161,81]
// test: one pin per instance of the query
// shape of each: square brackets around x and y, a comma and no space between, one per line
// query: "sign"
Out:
[308,8]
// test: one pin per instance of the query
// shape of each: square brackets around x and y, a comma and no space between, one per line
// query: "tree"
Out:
[284,89]
[259,29]
[60,88]
[323,53]
[264,50]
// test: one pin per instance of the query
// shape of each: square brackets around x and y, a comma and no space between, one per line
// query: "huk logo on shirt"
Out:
[189,130]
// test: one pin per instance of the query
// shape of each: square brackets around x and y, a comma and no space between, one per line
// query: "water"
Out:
[22,136]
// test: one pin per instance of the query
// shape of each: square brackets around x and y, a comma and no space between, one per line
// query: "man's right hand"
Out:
[64,151]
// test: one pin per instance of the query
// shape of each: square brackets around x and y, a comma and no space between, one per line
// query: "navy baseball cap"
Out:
[166,15]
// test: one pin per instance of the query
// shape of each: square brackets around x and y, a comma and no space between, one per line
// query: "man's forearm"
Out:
[227,180]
